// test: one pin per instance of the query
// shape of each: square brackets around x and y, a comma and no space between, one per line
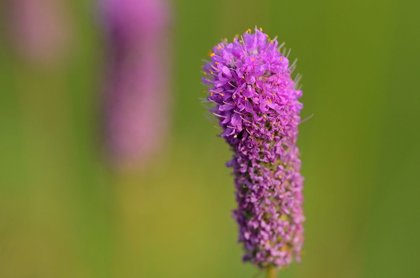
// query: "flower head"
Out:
[41,30]
[257,104]
[136,86]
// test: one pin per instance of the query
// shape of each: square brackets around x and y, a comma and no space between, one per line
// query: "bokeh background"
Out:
[64,212]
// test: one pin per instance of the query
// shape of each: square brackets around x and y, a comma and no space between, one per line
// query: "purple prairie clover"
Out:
[40,29]
[137,74]
[249,82]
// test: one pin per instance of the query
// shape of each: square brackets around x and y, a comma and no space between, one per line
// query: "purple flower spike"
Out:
[256,101]
[41,30]
[136,86]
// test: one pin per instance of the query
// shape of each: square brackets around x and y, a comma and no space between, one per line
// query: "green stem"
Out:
[271,272]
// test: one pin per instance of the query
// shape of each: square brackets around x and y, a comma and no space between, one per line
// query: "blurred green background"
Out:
[64,213]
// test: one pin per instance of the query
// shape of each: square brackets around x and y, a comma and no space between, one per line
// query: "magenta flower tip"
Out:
[256,101]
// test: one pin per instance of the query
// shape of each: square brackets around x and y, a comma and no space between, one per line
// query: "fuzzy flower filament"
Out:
[249,81]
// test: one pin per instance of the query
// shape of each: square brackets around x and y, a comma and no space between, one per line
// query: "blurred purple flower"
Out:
[40,29]
[136,86]
[256,101]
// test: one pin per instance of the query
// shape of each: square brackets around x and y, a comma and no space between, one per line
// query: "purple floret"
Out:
[257,104]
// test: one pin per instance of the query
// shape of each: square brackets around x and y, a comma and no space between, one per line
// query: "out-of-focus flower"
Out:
[136,85]
[40,29]
[256,101]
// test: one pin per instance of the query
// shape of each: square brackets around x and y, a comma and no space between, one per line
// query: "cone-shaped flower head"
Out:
[40,29]
[136,86]
[256,101]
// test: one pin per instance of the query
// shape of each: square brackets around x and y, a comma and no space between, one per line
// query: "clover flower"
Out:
[249,82]
[41,30]
[136,92]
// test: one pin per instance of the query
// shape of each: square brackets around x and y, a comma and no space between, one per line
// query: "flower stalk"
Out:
[271,272]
